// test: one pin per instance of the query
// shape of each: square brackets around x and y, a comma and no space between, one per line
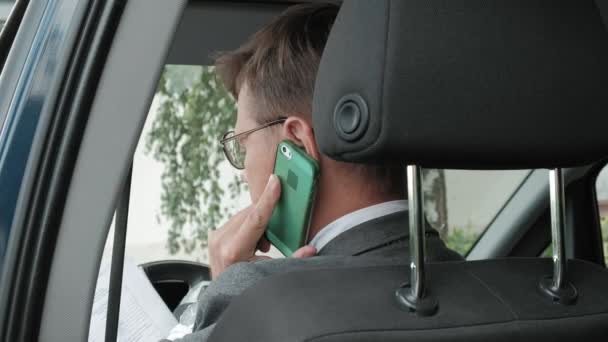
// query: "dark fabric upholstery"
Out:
[452,84]
[492,300]
[468,83]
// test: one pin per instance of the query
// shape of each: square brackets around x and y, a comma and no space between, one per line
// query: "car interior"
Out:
[527,236]
[466,85]
[521,228]
[390,68]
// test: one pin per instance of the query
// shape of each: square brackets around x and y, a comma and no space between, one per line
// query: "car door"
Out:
[32,85]
[74,88]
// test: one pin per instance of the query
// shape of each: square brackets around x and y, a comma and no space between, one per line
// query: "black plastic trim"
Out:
[9,30]
[582,221]
[177,270]
[118,260]
[594,234]
[351,117]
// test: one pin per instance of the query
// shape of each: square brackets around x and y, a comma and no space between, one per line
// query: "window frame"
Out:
[101,162]
[29,89]
[595,173]
[523,227]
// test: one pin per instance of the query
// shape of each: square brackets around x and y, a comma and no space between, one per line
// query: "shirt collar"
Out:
[354,219]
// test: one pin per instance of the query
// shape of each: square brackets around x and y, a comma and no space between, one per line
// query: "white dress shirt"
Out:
[351,220]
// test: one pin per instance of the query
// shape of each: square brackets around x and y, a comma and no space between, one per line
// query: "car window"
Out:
[601,188]
[461,204]
[182,185]
[5,10]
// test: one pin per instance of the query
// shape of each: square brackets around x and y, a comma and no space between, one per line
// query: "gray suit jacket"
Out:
[380,241]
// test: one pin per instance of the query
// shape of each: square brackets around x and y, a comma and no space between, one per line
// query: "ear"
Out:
[300,132]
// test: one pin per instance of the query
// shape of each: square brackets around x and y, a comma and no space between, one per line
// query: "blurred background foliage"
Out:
[193,113]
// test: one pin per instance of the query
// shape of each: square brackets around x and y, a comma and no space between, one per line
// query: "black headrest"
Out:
[465,84]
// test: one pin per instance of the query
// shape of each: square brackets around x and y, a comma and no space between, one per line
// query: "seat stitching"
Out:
[493,293]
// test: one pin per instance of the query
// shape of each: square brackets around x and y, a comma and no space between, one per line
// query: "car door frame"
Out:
[121,99]
[29,88]
[95,53]
[522,226]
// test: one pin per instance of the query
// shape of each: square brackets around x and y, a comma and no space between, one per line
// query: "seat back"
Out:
[489,300]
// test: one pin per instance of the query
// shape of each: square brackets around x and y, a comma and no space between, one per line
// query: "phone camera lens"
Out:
[285,151]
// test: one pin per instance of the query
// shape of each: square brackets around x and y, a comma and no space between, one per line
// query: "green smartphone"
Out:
[290,220]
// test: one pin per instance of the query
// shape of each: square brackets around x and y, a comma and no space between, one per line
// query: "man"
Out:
[360,212]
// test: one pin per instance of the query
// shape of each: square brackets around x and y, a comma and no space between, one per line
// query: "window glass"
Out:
[548,252]
[29,103]
[182,185]
[5,10]
[461,204]
[601,187]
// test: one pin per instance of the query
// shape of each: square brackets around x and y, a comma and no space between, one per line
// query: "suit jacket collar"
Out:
[371,235]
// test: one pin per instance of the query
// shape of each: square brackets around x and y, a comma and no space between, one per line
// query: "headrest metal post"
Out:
[556,188]
[557,286]
[413,296]
[416,212]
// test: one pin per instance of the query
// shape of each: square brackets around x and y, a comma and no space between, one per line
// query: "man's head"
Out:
[272,76]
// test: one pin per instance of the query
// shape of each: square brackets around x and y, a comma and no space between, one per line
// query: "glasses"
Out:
[234,150]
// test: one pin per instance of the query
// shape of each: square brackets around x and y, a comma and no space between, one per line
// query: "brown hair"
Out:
[279,64]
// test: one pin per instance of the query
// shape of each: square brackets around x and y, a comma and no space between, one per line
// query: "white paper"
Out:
[143,314]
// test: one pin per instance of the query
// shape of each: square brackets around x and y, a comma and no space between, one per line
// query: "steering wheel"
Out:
[178,282]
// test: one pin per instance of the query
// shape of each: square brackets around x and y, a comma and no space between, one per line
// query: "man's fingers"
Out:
[268,199]
[239,238]
[305,252]
[233,224]
[254,226]
[239,217]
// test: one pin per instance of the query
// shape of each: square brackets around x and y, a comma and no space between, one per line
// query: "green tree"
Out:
[193,113]
[461,239]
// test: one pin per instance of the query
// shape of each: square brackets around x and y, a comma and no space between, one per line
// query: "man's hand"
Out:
[243,234]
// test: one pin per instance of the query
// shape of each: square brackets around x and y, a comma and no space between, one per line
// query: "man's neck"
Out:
[332,205]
